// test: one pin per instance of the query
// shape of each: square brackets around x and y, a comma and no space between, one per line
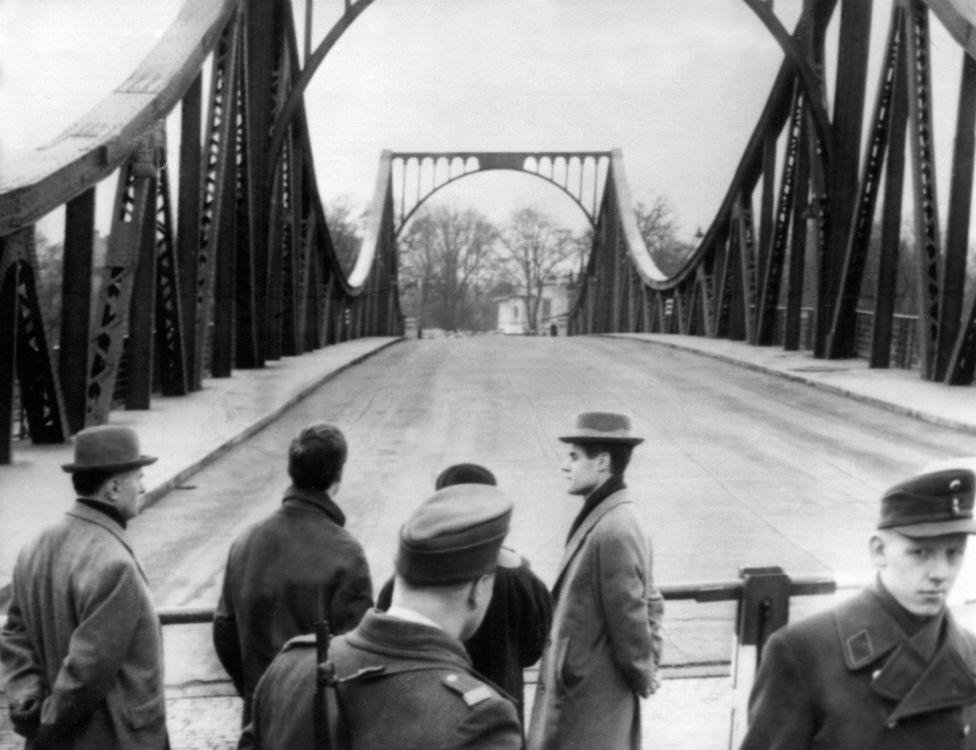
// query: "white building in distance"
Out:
[557,296]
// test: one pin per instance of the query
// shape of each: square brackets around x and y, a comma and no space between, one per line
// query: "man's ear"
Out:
[481,589]
[603,461]
[876,545]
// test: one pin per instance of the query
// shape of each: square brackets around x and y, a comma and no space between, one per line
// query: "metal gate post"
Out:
[763,608]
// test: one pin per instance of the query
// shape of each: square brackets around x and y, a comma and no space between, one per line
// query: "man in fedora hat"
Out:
[405,681]
[605,643]
[889,668]
[82,649]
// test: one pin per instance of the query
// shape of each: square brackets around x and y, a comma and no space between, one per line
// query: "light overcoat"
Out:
[82,630]
[848,679]
[605,642]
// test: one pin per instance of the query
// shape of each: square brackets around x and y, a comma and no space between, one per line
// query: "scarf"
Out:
[601,493]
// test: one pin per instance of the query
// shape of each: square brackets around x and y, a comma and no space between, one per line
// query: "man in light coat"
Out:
[82,649]
[605,642]
[294,567]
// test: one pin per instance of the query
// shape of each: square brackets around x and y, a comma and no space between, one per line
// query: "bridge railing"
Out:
[238,270]
[762,597]
[790,243]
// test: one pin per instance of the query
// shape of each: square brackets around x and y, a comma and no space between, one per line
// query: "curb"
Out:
[827,387]
[157,493]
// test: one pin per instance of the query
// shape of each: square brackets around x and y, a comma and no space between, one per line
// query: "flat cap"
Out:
[454,536]
[601,427]
[931,504]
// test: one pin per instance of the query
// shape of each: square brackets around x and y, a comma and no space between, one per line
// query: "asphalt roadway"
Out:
[739,468]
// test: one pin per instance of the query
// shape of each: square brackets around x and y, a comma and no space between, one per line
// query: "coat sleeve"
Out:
[98,646]
[535,615]
[352,595]
[23,673]
[780,709]
[622,570]
[226,638]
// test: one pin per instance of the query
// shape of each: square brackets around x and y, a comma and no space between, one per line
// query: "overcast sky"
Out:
[677,84]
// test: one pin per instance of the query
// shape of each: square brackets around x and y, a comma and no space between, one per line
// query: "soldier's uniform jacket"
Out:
[403,686]
[850,678]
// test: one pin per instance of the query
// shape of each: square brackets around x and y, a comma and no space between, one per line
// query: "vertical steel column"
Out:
[188,226]
[842,337]
[927,239]
[957,231]
[76,298]
[132,202]
[170,348]
[9,283]
[139,347]
[842,179]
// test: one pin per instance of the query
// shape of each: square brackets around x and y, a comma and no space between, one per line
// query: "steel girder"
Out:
[579,174]
[241,269]
[792,271]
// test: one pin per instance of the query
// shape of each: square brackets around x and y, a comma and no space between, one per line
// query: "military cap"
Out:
[464,474]
[454,536]
[601,427]
[107,448]
[931,504]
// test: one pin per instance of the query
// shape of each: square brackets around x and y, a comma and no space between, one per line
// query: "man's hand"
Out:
[25,715]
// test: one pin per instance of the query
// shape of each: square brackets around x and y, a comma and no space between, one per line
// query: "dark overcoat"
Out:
[82,630]
[516,624]
[847,679]
[605,642]
[403,686]
[296,566]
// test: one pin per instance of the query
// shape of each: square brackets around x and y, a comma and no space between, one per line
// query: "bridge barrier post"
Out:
[763,607]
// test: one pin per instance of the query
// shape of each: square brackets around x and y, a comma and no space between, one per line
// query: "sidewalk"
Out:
[185,432]
[897,390]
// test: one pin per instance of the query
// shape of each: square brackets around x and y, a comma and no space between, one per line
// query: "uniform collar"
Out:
[932,671]
[318,500]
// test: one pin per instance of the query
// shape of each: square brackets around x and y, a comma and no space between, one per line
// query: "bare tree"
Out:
[345,225]
[444,261]
[533,251]
[658,227]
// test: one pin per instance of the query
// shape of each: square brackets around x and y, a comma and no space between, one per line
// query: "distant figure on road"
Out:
[605,643]
[513,633]
[889,668]
[296,566]
[405,680]
[81,650]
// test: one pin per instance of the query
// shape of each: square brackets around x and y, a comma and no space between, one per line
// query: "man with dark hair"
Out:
[890,667]
[405,681]
[605,643]
[81,649]
[296,566]
[512,635]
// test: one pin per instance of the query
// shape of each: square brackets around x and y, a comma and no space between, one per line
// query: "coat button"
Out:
[892,724]
[965,730]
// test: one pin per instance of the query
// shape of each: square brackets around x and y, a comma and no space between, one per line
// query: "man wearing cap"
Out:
[605,642]
[405,680]
[514,630]
[296,566]
[889,668]
[81,649]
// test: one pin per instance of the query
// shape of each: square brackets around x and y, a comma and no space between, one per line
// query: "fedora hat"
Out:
[107,448]
[601,427]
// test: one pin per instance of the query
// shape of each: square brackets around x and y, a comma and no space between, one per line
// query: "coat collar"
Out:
[90,515]
[316,500]
[412,645]
[916,682]
[576,540]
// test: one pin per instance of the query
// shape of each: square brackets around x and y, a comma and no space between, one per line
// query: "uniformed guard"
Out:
[404,678]
[889,668]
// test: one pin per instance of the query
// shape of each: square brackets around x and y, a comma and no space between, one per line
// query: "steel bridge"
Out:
[241,269]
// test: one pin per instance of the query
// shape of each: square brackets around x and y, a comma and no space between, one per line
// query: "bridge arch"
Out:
[579,174]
